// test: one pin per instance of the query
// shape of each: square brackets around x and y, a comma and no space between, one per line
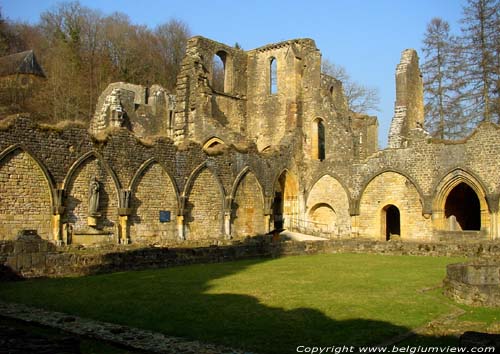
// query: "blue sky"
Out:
[365,36]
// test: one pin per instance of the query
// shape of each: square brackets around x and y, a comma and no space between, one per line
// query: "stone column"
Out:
[227,224]
[494,226]
[355,225]
[56,229]
[267,223]
[123,236]
[180,227]
[56,216]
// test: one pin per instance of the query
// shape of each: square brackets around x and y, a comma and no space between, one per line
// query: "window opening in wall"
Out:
[318,140]
[219,71]
[170,119]
[392,221]
[273,75]
[462,209]
[321,140]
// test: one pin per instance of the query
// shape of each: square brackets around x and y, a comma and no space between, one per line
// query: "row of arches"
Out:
[390,203]
[30,200]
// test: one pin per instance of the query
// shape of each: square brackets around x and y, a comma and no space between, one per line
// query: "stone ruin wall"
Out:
[39,165]
[233,191]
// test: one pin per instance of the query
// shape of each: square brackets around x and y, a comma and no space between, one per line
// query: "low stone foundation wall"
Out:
[476,283]
[34,257]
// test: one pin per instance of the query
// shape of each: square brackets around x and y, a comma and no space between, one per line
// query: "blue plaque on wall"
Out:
[164,216]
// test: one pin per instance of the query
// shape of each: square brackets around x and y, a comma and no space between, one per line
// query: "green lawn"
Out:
[269,306]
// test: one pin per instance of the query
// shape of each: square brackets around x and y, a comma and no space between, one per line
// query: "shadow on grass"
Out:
[178,301]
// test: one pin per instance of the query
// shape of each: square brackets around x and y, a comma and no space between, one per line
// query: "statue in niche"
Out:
[94,197]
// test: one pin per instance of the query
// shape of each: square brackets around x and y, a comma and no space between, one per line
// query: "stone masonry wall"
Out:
[204,207]
[77,210]
[248,208]
[24,196]
[154,192]
[387,189]
[329,192]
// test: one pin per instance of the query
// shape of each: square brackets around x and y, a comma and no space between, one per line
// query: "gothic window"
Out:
[273,76]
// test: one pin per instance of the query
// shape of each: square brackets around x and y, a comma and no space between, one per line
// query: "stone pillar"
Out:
[494,226]
[180,227]
[56,215]
[355,225]
[123,237]
[227,224]
[56,229]
[267,223]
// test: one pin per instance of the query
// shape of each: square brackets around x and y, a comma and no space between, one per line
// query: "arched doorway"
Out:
[285,203]
[462,209]
[391,222]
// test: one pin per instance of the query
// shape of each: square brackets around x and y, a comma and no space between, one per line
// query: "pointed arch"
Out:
[47,175]
[153,191]
[145,165]
[194,174]
[318,147]
[447,185]
[273,76]
[204,204]
[25,203]
[336,178]
[240,176]
[286,200]
[393,170]
[84,158]
[392,188]
[247,208]
[328,192]
[212,142]
[76,187]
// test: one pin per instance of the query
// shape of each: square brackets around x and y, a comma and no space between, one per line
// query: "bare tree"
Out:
[171,37]
[360,98]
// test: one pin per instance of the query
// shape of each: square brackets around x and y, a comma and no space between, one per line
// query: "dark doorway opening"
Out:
[463,204]
[392,222]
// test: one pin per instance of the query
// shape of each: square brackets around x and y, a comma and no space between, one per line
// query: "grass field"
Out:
[269,306]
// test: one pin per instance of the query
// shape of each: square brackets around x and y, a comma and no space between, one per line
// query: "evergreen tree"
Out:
[443,118]
[480,41]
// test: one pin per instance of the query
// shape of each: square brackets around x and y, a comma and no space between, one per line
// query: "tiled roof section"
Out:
[20,63]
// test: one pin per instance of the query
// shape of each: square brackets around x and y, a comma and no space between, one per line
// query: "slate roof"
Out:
[20,63]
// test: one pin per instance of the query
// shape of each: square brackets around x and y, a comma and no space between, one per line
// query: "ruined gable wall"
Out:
[272,115]
[201,111]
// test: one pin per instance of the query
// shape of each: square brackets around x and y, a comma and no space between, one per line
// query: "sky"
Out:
[364,36]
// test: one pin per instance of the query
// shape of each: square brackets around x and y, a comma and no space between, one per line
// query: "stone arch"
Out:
[153,191]
[318,139]
[76,215]
[26,194]
[82,159]
[212,142]
[392,188]
[390,222]
[323,218]
[328,191]
[393,170]
[447,186]
[247,209]
[222,71]
[286,201]
[204,205]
